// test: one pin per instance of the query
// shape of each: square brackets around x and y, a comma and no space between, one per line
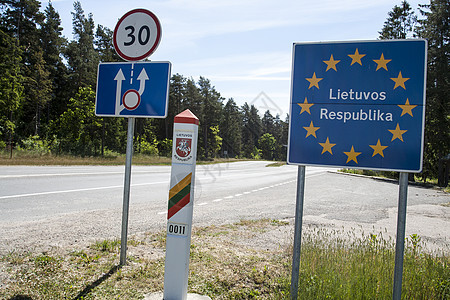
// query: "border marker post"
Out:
[180,206]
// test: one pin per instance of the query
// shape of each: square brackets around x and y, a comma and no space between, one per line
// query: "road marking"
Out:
[217,200]
[71,174]
[238,195]
[203,203]
[228,197]
[77,190]
[162,213]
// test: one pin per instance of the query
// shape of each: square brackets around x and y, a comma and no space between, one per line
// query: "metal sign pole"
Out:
[400,243]
[126,192]
[298,231]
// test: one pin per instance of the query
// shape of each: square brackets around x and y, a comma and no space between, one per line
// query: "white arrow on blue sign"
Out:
[134,89]
[358,104]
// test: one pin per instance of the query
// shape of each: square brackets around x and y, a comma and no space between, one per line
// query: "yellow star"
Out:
[397,133]
[331,64]
[378,149]
[314,81]
[400,81]
[352,155]
[356,58]
[406,108]
[327,146]
[311,130]
[382,63]
[305,106]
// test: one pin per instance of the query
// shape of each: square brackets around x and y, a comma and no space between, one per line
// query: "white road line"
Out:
[228,197]
[203,203]
[238,195]
[77,190]
[71,174]
[217,200]
[162,213]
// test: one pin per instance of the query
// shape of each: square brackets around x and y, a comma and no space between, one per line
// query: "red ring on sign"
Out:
[155,45]
[138,100]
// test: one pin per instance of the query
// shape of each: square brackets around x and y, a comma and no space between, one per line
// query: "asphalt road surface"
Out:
[45,207]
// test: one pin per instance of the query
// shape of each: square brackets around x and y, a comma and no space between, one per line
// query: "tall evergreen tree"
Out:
[435,28]
[81,55]
[11,88]
[53,45]
[400,24]
[210,114]
[104,45]
[22,19]
[267,122]
[231,129]
[251,130]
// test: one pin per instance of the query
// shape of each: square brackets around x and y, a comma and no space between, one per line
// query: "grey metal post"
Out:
[298,231]
[126,192]
[400,243]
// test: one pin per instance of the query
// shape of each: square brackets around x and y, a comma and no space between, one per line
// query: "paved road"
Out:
[60,206]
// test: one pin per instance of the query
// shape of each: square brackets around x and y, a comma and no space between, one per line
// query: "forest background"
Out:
[48,83]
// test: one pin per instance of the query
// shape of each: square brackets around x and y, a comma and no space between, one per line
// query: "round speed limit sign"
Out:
[137,35]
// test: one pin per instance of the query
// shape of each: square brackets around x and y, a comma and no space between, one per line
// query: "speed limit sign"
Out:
[137,35]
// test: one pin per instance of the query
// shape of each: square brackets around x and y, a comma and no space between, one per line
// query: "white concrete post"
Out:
[181,203]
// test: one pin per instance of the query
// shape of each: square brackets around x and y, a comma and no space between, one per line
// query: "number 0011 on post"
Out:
[177,229]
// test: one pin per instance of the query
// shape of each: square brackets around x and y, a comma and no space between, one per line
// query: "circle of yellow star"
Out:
[356,58]
[397,133]
[352,155]
[331,64]
[400,81]
[327,146]
[305,106]
[382,62]
[311,130]
[378,149]
[314,81]
[407,108]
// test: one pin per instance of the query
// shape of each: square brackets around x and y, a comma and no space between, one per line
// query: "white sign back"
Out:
[137,35]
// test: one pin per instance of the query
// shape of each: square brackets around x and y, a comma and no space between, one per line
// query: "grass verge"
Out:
[245,260]
[36,159]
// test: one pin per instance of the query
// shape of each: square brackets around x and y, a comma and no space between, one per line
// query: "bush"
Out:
[149,148]
[34,144]
[165,147]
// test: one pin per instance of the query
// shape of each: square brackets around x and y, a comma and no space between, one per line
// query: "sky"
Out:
[244,47]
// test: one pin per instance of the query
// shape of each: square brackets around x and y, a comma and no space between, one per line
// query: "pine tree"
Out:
[11,88]
[435,28]
[210,114]
[104,45]
[400,23]
[231,129]
[53,45]
[251,130]
[81,55]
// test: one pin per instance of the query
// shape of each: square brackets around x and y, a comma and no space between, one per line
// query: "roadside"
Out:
[245,260]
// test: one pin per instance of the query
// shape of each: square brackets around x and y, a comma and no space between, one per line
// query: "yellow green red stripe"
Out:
[179,195]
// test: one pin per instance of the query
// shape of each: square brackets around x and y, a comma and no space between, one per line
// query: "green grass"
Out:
[37,159]
[335,264]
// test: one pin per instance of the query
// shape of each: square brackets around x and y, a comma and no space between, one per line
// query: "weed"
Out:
[335,264]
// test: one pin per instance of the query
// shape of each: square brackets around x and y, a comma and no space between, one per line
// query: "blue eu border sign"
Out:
[358,104]
[133,89]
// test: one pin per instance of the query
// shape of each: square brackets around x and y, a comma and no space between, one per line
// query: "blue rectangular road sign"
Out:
[358,104]
[133,89]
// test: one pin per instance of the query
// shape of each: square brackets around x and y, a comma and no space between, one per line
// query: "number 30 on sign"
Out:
[137,35]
